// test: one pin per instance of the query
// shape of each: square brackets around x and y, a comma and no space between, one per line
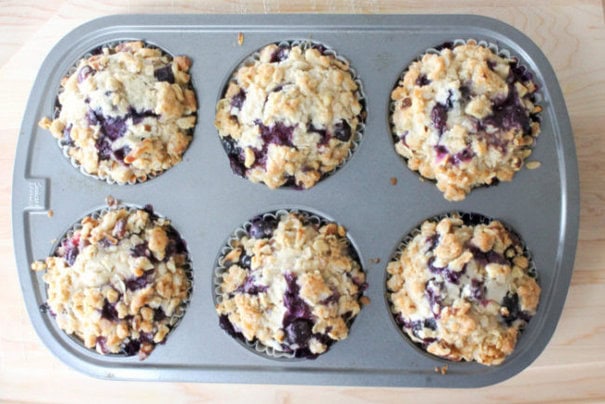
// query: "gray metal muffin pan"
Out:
[206,202]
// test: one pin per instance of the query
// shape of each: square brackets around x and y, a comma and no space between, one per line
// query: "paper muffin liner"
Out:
[536,97]
[469,219]
[220,269]
[57,110]
[326,50]
[179,312]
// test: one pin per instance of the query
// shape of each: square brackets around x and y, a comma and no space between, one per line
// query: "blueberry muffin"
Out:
[119,282]
[291,116]
[463,289]
[465,117]
[290,284]
[126,113]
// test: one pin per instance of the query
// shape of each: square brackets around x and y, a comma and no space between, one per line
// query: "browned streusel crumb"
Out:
[50,213]
[465,117]
[463,291]
[240,38]
[291,116]
[375,260]
[292,286]
[111,291]
[442,370]
[532,165]
[127,113]
[111,201]
[393,181]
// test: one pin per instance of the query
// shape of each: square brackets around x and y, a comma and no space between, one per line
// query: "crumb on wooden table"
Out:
[111,201]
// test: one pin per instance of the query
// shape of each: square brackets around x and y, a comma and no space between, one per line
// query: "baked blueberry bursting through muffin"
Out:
[291,285]
[119,281]
[463,288]
[465,117]
[126,113]
[291,116]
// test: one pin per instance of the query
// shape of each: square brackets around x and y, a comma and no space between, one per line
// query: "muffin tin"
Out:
[374,195]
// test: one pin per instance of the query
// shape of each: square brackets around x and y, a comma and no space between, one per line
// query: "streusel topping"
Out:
[119,281]
[465,117]
[463,291]
[290,117]
[127,113]
[290,284]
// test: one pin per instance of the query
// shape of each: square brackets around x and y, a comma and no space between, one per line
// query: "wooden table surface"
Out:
[572,367]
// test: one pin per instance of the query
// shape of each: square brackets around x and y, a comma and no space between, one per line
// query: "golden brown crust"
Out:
[290,117]
[109,288]
[465,117]
[300,273]
[465,306]
[126,114]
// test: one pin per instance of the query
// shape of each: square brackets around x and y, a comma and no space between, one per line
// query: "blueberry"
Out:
[342,131]
[121,153]
[140,250]
[422,80]
[296,307]
[324,137]
[176,245]
[132,347]
[432,241]
[113,127]
[322,49]
[84,72]
[137,117]
[67,140]
[109,311]
[511,302]
[478,290]
[226,325]
[158,314]
[238,99]
[251,288]
[245,261]
[465,92]
[103,145]
[463,156]
[71,251]
[433,290]
[280,54]
[279,134]
[439,117]
[137,283]
[262,227]
[430,323]
[164,74]
[102,345]
[299,332]
[445,45]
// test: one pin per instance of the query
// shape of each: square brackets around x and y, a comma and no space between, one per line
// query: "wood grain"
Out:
[572,368]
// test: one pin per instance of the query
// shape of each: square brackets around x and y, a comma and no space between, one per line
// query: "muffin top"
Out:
[127,113]
[463,291]
[465,117]
[290,284]
[291,116]
[119,281]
